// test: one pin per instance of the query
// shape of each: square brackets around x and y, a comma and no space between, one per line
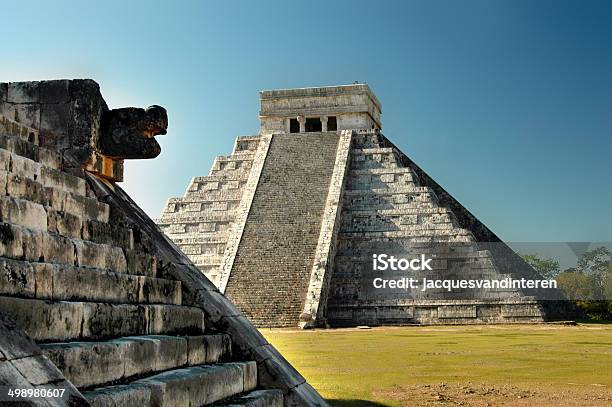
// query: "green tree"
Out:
[577,286]
[596,263]
[589,284]
[547,268]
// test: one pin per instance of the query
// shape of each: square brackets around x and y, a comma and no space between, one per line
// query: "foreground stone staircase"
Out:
[94,299]
[95,303]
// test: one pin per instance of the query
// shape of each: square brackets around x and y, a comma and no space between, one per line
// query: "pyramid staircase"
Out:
[104,318]
[271,272]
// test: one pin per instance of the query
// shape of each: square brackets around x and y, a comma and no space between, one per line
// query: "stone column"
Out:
[302,120]
[324,123]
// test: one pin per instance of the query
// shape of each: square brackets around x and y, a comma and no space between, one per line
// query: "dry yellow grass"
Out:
[518,365]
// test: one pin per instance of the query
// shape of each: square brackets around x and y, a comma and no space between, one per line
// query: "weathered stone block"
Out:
[140,263]
[17,278]
[100,256]
[43,320]
[112,320]
[249,370]
[44,280]
[9,375]
[122,395]
[57,249]
[170,351]
[457,311]
[167,319]
[64,223]
[22,212]
[74,283]
[259,398]
[25,167]
[160,291]
[57,91]
[3,179]
[520,310]
[14,343]
[20,243]
[139,354]
[100,232]
[23,92]
[25,188]
[85,207]
[195,385]
[52,178]
[87,363]
[37,369]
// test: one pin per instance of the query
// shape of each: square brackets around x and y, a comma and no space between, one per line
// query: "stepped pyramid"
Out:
[94,300]
[287,224]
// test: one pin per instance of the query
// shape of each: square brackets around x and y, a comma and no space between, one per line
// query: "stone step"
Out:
[393,226]
[451,233]
[379,171]
[242,156]
[369,151]
[23,212]
[19,242]
[186,202]
[23,148]
[29,189]
[35,216]
[192,386]
[223,176]
[246,144]
[207,260]
[88,364]
[242,171]
[51,177]
[223,185]
[197,217]
[107,233]
[197,249]
[72,283]
[47,321]
[219,195]
[366,140]
[213,239]
[398,189]
[48,176]
[12,128]
[401,209]
[257,398]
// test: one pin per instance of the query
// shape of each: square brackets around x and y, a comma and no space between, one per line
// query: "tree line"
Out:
[588,285]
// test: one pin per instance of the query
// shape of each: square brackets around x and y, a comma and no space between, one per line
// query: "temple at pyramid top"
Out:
[328,108]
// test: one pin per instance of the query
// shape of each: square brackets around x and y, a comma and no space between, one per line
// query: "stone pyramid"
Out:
[286,225]
[94,300]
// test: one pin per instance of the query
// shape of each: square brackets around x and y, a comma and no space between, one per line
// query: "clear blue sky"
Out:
[507,104]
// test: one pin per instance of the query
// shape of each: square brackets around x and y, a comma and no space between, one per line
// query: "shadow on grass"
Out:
[355,403]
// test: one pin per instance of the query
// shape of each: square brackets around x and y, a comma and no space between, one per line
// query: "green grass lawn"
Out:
[391,365]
